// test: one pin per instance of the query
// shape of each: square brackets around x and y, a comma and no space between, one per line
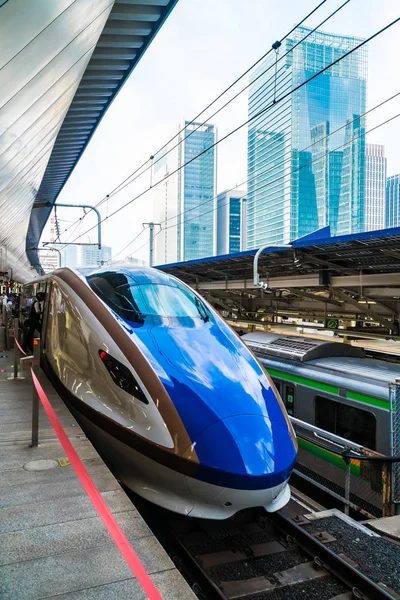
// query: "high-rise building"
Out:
[231,222]
[49,259]
[393,201]
[306,152]
[85,256]
[184,203]
[375,187]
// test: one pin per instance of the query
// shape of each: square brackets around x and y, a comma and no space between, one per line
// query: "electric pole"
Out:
[151,230]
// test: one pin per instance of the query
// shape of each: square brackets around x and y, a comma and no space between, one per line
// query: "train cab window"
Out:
[135,301]
[289,399]
[349,422]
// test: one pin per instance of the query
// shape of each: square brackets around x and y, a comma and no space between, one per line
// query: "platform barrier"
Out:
[39,397]
[394,399]
[20,356]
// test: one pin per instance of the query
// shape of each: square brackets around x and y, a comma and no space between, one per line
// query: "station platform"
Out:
[387,526]
[53,543]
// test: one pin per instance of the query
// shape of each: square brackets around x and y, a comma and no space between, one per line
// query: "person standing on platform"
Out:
[34,322]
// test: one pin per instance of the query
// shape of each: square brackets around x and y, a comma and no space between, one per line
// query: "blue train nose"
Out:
[245,452]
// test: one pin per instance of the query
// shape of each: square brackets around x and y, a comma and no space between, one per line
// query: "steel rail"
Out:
[340,568]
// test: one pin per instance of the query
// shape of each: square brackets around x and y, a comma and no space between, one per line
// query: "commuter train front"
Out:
[171,397]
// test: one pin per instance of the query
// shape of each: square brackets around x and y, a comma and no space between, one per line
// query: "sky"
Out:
[201,49]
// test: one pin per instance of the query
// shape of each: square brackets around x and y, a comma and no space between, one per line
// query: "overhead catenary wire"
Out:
[132,177]
[259,175]
[255,116]
[290,172]
[262,173]
[130,243]
[125,183]
[218,97]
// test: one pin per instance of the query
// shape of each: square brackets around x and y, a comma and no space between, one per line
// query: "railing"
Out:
[359,478]
[394,400]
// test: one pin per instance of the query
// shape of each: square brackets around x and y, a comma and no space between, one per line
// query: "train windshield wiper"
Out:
[139,318]
[201,309]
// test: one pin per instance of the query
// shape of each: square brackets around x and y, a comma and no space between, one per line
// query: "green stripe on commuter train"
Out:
[331,457]
[318,385]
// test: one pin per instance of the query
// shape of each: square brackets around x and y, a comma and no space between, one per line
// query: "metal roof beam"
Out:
[114,53]
[317,297]
[383,292]
[146,2]
[106,63]
[303,281]
[102,76]
[99,85]
[134,12]
[362,308]
[326,263]
[377,279]
[393,253]
[128,27]
[120,41]
[386,305]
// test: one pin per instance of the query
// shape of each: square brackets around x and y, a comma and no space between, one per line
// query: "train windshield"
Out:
[134,302]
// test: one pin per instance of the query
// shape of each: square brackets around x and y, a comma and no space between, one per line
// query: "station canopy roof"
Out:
[61,65]
[317,275]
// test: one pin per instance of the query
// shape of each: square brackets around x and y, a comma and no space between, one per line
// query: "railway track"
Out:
[262,557]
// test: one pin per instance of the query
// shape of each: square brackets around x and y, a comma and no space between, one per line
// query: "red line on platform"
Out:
[97,500]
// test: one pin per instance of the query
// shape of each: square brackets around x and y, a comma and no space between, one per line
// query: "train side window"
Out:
[325,414]
[289,399]
[357,425]
[349,422]
[278,386]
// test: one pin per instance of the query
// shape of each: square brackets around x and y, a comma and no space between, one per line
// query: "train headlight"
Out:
[122,377]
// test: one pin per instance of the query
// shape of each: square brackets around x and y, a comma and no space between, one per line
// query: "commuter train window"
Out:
[349,422]
[278,386]
[289,399]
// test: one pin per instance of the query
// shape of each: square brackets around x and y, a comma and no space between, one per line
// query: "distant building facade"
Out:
[393,201]
[85,256]
[375,187]
[231,222]
[306,154]
[49,259]
[137,262]
[185,202]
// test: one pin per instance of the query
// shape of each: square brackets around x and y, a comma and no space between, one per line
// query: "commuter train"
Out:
[337,388]
[329,384]
[170,396]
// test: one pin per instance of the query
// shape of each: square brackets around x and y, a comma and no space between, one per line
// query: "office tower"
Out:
[393,201]
[231,222]
[306,148]
[49,259]
[185,202]
[375,187]
[85,256]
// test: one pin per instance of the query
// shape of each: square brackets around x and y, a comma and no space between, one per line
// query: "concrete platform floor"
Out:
[389,526]
[52,543]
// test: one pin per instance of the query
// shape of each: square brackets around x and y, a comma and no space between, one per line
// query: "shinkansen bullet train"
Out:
[170,396]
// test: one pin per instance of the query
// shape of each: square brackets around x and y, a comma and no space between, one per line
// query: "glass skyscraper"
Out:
[185,202]
[85,256]
[306,153]
[375,187]
[196,191]
[231,222]
[393,201]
